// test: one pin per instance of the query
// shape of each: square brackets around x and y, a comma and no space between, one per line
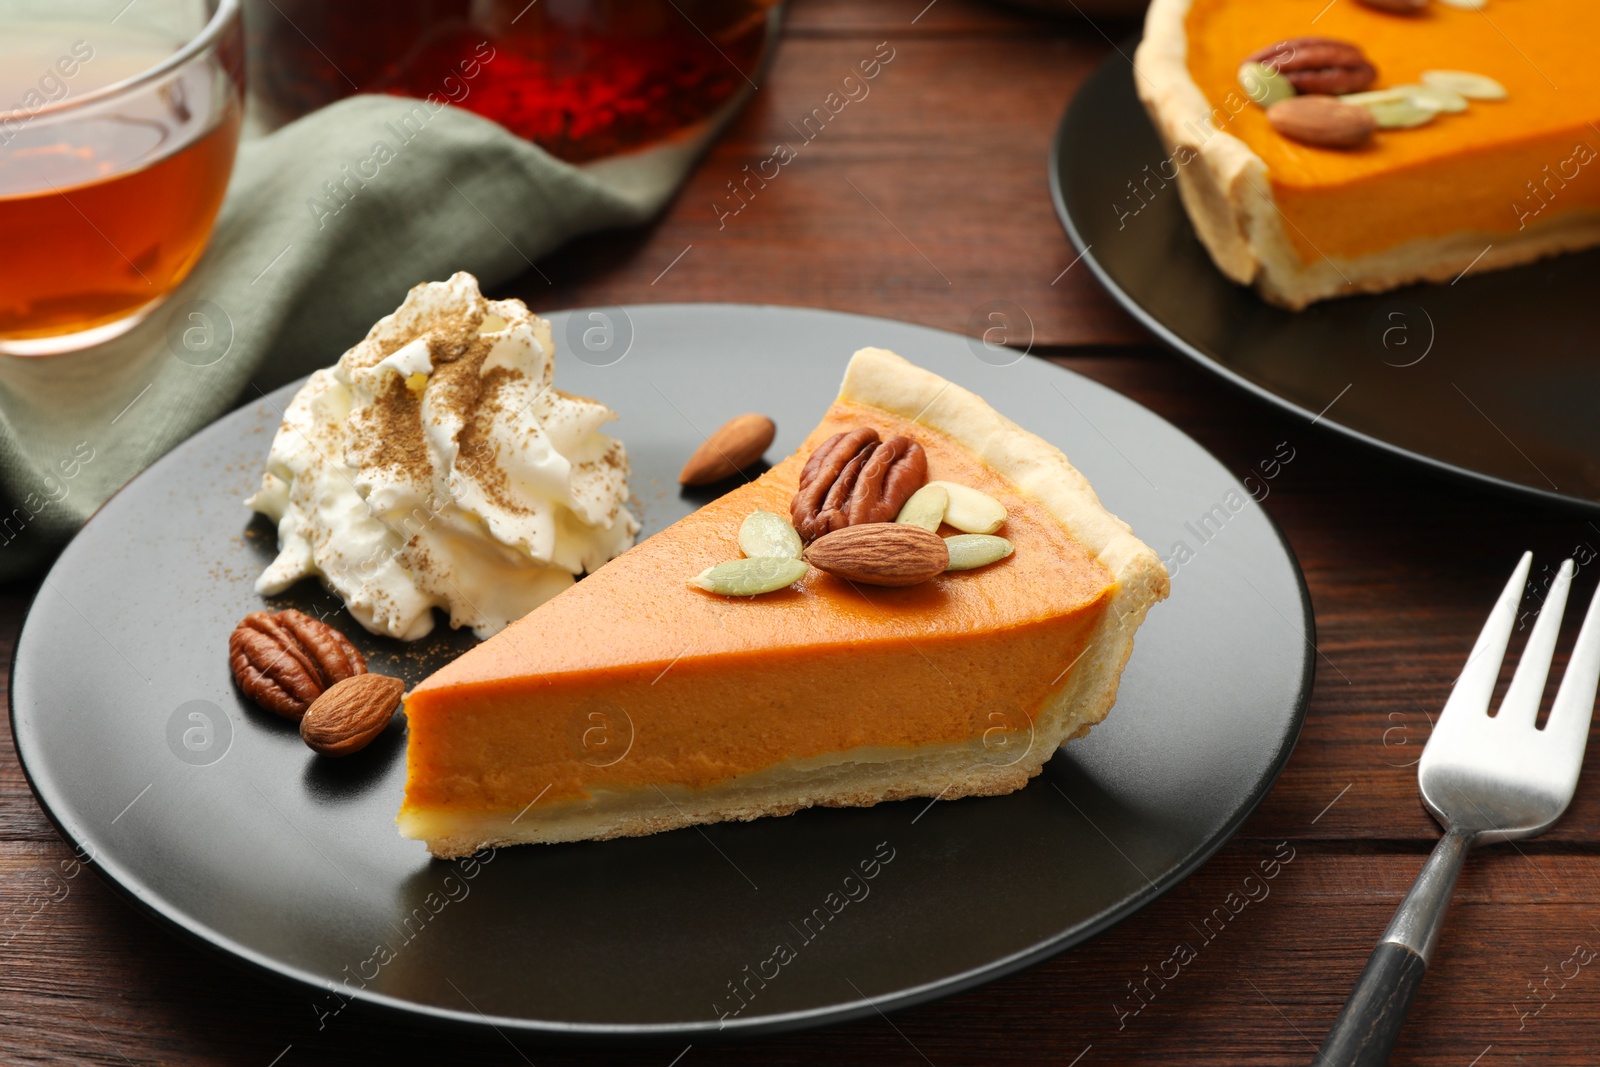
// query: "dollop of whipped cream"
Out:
[435,465]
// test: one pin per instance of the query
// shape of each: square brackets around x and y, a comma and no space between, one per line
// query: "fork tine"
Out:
[1475,685]
[1521,703]
[1569,717]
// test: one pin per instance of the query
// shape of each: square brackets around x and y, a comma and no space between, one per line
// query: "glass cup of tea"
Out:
[118,127]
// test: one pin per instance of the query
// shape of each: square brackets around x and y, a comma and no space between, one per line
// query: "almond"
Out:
[1322,121]
[351,713]
[738,443]
[880,553]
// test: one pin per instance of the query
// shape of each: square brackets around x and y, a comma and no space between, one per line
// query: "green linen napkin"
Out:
[327,223]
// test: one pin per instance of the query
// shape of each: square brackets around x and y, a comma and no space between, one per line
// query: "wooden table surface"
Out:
[923,201]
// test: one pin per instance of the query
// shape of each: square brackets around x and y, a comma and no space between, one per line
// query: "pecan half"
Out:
[284,661]
[853,478]
[1397,7]
[1318,65]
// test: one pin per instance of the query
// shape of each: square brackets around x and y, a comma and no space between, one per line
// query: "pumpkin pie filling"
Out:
[651,668]
[1530,160]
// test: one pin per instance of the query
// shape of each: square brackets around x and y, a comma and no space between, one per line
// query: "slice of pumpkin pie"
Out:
[639,700]
[1388,143]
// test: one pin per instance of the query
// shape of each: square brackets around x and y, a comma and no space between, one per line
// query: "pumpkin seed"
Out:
[1437,98]
[968,551]
[925,508]
[748,577]
[971,511]
[1466,5]
[1397,95]
[1400,114]
[1465,83]
[1396,107]
[764,534]
[1263,85]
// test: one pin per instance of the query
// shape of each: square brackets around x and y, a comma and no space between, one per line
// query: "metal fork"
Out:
[1485,778]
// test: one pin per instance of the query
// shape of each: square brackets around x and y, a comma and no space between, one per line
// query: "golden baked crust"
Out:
[864,776]
[1040,470]
[1226,191]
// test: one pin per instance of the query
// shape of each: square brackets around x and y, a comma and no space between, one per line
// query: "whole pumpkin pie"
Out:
[1502,182]
[635,702]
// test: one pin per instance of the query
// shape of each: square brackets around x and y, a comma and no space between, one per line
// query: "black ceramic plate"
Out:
[215,817]
[1492,376]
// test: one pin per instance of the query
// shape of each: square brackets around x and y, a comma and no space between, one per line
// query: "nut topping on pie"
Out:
[881,553]
[1322,121]
[1397,7]
[855,478]
[1318,65]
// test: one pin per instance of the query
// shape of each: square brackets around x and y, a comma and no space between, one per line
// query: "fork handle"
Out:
[1370,1023]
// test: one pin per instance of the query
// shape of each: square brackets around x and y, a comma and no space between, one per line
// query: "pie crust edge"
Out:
[1228,197]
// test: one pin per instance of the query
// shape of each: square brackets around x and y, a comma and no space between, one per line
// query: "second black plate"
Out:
[1492,377]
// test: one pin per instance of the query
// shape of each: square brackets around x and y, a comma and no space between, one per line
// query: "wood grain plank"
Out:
[1254,967]
[1401,567]
[20,817]
[904,18]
